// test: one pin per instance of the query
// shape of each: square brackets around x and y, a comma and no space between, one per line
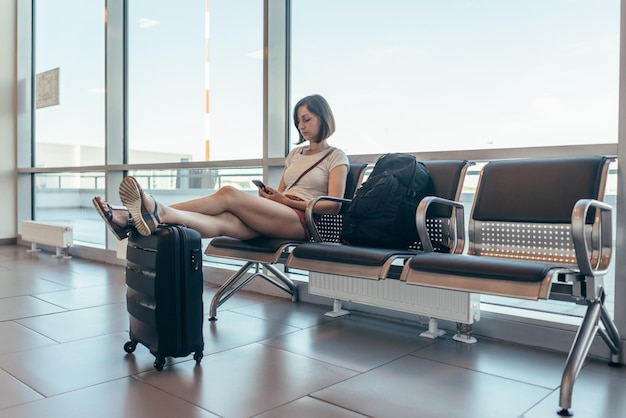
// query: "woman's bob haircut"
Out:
[319,107]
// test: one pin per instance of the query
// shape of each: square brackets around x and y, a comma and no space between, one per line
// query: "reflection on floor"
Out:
[63,324]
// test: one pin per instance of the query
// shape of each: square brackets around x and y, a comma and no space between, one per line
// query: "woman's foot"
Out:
[142,207]
[117,219]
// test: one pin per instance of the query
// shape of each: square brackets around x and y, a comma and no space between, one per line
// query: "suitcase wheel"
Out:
[197,356]
[130,346]
[159,362]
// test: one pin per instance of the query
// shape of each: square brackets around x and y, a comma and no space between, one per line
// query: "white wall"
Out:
[8,107]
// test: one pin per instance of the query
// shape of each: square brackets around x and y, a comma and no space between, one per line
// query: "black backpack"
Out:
[382,213]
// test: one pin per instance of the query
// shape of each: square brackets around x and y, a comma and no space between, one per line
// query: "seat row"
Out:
[538,229]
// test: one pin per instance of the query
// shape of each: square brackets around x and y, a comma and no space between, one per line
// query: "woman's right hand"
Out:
[275,195]
[271,193]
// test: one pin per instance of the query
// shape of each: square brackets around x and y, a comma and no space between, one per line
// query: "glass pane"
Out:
[173,98]
[236,79]
[179,185]
[418,75]
[65,198]
[69,83]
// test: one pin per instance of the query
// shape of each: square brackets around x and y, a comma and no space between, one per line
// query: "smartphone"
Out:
[260,185]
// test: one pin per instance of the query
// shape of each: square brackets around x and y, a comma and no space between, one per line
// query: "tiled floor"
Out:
[63,324]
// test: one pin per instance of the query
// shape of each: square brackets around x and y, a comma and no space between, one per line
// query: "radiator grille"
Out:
[393,294]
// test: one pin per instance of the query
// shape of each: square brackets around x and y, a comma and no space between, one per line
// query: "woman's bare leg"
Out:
[233,213]
[210,226]
[219,202]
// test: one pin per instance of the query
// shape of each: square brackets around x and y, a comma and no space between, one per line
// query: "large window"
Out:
[194,80]
[69,83]
[419,75]
[69,110]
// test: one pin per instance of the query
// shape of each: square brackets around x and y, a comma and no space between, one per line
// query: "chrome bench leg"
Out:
[596,311]
[287,284]
[577,355]
[611,337]
[234,284]
[225,292]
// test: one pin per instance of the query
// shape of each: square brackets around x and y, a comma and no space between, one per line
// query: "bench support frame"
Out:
[239,280]
[596,313]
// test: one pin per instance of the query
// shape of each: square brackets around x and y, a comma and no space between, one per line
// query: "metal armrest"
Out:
[592,261]
[308,213]
[457,224]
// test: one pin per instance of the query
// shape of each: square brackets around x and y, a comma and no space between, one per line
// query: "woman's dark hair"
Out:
[319,107]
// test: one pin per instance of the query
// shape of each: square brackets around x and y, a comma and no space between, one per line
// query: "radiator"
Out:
[53,234]
[451,305]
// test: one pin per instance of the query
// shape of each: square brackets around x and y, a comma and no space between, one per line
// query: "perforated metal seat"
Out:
[263,253]
[378,263]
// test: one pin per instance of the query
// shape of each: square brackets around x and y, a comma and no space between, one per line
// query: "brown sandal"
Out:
[120,232]
[131,194]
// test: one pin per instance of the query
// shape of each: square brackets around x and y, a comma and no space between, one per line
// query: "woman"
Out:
[231,212]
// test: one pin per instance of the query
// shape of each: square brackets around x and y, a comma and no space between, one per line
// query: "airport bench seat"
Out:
[538,229]
[260,254]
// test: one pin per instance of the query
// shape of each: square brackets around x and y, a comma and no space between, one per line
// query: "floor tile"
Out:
[603,367]
[15,337]
[238,300]
[538,367]
[66,367]
[86,297]
[308,407]
[234,330]
[12,252]
[14,392]
[83,268]
[23,254]
[350,344]
[81,323]
[246,381]
[36,270]
[300,315]
[73,279]
[125,397]
[595,394]
[24,307]
[424,388]
[12,284]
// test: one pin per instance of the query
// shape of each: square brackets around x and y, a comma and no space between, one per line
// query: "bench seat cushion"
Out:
[347,254]
[261,244]
[483,267]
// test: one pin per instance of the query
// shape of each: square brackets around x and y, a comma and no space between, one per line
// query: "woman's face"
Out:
[308,123]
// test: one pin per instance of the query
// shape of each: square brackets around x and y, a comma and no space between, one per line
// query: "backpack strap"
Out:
[311,168]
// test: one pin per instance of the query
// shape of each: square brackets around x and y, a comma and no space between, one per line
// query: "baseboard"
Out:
[8,241]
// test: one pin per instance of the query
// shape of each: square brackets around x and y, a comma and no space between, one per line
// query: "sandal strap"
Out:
[111,208]
[154,214]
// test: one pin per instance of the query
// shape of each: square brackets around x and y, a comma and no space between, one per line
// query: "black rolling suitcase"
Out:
[164,293]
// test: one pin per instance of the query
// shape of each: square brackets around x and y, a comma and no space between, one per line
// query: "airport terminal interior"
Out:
[191,97]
